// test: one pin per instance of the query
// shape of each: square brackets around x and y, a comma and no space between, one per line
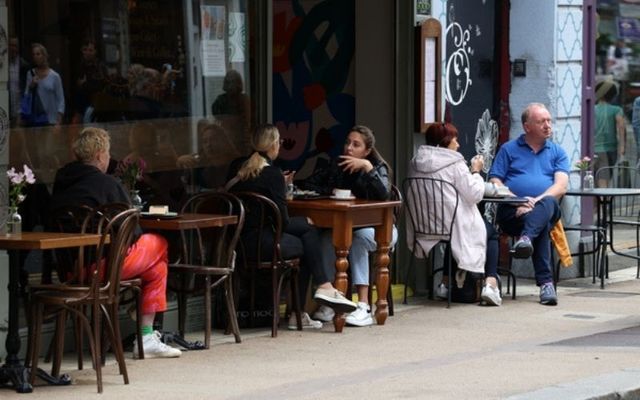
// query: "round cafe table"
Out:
[604,198]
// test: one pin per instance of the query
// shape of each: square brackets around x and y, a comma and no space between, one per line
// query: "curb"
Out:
[620,385]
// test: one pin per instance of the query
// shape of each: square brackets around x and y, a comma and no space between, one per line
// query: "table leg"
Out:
[341,283]
[342,238]
[383,238]
[604,205]
[13,371]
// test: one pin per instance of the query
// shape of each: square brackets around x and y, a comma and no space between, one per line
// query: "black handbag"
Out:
[471,288]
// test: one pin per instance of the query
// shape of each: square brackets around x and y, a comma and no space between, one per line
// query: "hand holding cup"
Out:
[477,163]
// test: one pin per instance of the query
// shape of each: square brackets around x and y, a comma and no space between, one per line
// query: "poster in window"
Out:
[212,26]
[237,31]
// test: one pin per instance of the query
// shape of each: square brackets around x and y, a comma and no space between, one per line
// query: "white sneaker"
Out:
[154,348]
[491,295]
[361,316]
[307,322]
[442,292]
[324,314]
[334,299]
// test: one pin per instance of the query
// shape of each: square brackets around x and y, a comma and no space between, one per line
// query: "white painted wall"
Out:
[532,38]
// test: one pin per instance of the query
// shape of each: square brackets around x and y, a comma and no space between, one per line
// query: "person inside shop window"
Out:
[47,83]
[232,109]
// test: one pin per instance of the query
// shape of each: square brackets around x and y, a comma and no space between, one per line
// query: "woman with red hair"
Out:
[474,243]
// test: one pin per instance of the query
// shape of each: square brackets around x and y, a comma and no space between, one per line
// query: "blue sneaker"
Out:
[522,248]
[548,295]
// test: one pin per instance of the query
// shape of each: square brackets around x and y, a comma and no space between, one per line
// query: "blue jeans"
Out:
[363,243]
[535,224]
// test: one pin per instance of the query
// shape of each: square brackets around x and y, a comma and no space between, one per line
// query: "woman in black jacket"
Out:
[300,238]
[362,170]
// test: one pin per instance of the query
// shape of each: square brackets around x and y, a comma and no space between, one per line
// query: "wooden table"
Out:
[604,197]
[342,216]
[186,221]
[13,371]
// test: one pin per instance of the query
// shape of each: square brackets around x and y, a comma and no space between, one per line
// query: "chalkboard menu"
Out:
[155,28]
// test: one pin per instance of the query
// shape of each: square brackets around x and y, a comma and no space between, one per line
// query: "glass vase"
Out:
[14,222]
[588,181]
[136,200]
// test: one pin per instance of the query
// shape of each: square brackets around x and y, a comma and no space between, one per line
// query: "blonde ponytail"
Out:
[252,167]
[264,137]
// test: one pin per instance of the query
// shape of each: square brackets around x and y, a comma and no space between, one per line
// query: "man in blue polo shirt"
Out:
[534,167]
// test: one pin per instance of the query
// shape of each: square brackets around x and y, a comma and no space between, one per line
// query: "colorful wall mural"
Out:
[313,91]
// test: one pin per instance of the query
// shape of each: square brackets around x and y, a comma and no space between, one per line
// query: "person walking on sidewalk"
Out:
[534,167]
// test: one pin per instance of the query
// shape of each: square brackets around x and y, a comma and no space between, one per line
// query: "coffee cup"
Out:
[503,191]
[490,189]
[342,193]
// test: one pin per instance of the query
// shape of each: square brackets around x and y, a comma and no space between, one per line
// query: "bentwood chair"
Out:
[431,205]
[101,295]
[130,289]
[69,267]
[625,210]
[213,259]
[261,250]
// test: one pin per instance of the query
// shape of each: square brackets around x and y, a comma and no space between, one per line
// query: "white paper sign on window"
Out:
[213,27]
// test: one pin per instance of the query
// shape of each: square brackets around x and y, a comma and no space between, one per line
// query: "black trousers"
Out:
[299,239]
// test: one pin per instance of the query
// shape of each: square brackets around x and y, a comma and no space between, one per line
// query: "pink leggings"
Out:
[147,259]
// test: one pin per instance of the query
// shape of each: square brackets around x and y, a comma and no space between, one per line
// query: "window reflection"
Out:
[138,70]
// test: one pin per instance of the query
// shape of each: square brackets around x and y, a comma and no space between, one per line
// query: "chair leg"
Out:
[406,276]
[182,312]
[637,252]
[37,331]
[231,308]
[275,292]
[451,277]
[207,311]
[295,295]
[138,296]
[275,302]
[97,359]
[113,328]
[252,298]
[59,343]
[77,326]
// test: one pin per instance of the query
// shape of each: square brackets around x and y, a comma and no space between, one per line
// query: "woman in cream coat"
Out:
[440,159]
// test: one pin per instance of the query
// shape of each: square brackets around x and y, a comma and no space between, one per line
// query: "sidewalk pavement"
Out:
[587,347]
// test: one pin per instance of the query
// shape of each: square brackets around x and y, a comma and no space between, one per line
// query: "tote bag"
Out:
[32,111]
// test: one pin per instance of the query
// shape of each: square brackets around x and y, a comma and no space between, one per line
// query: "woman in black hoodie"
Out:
[84,182]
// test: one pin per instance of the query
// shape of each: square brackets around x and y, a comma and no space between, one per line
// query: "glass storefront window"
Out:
[170,80]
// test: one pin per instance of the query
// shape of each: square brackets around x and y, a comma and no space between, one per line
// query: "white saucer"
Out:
[342,198]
